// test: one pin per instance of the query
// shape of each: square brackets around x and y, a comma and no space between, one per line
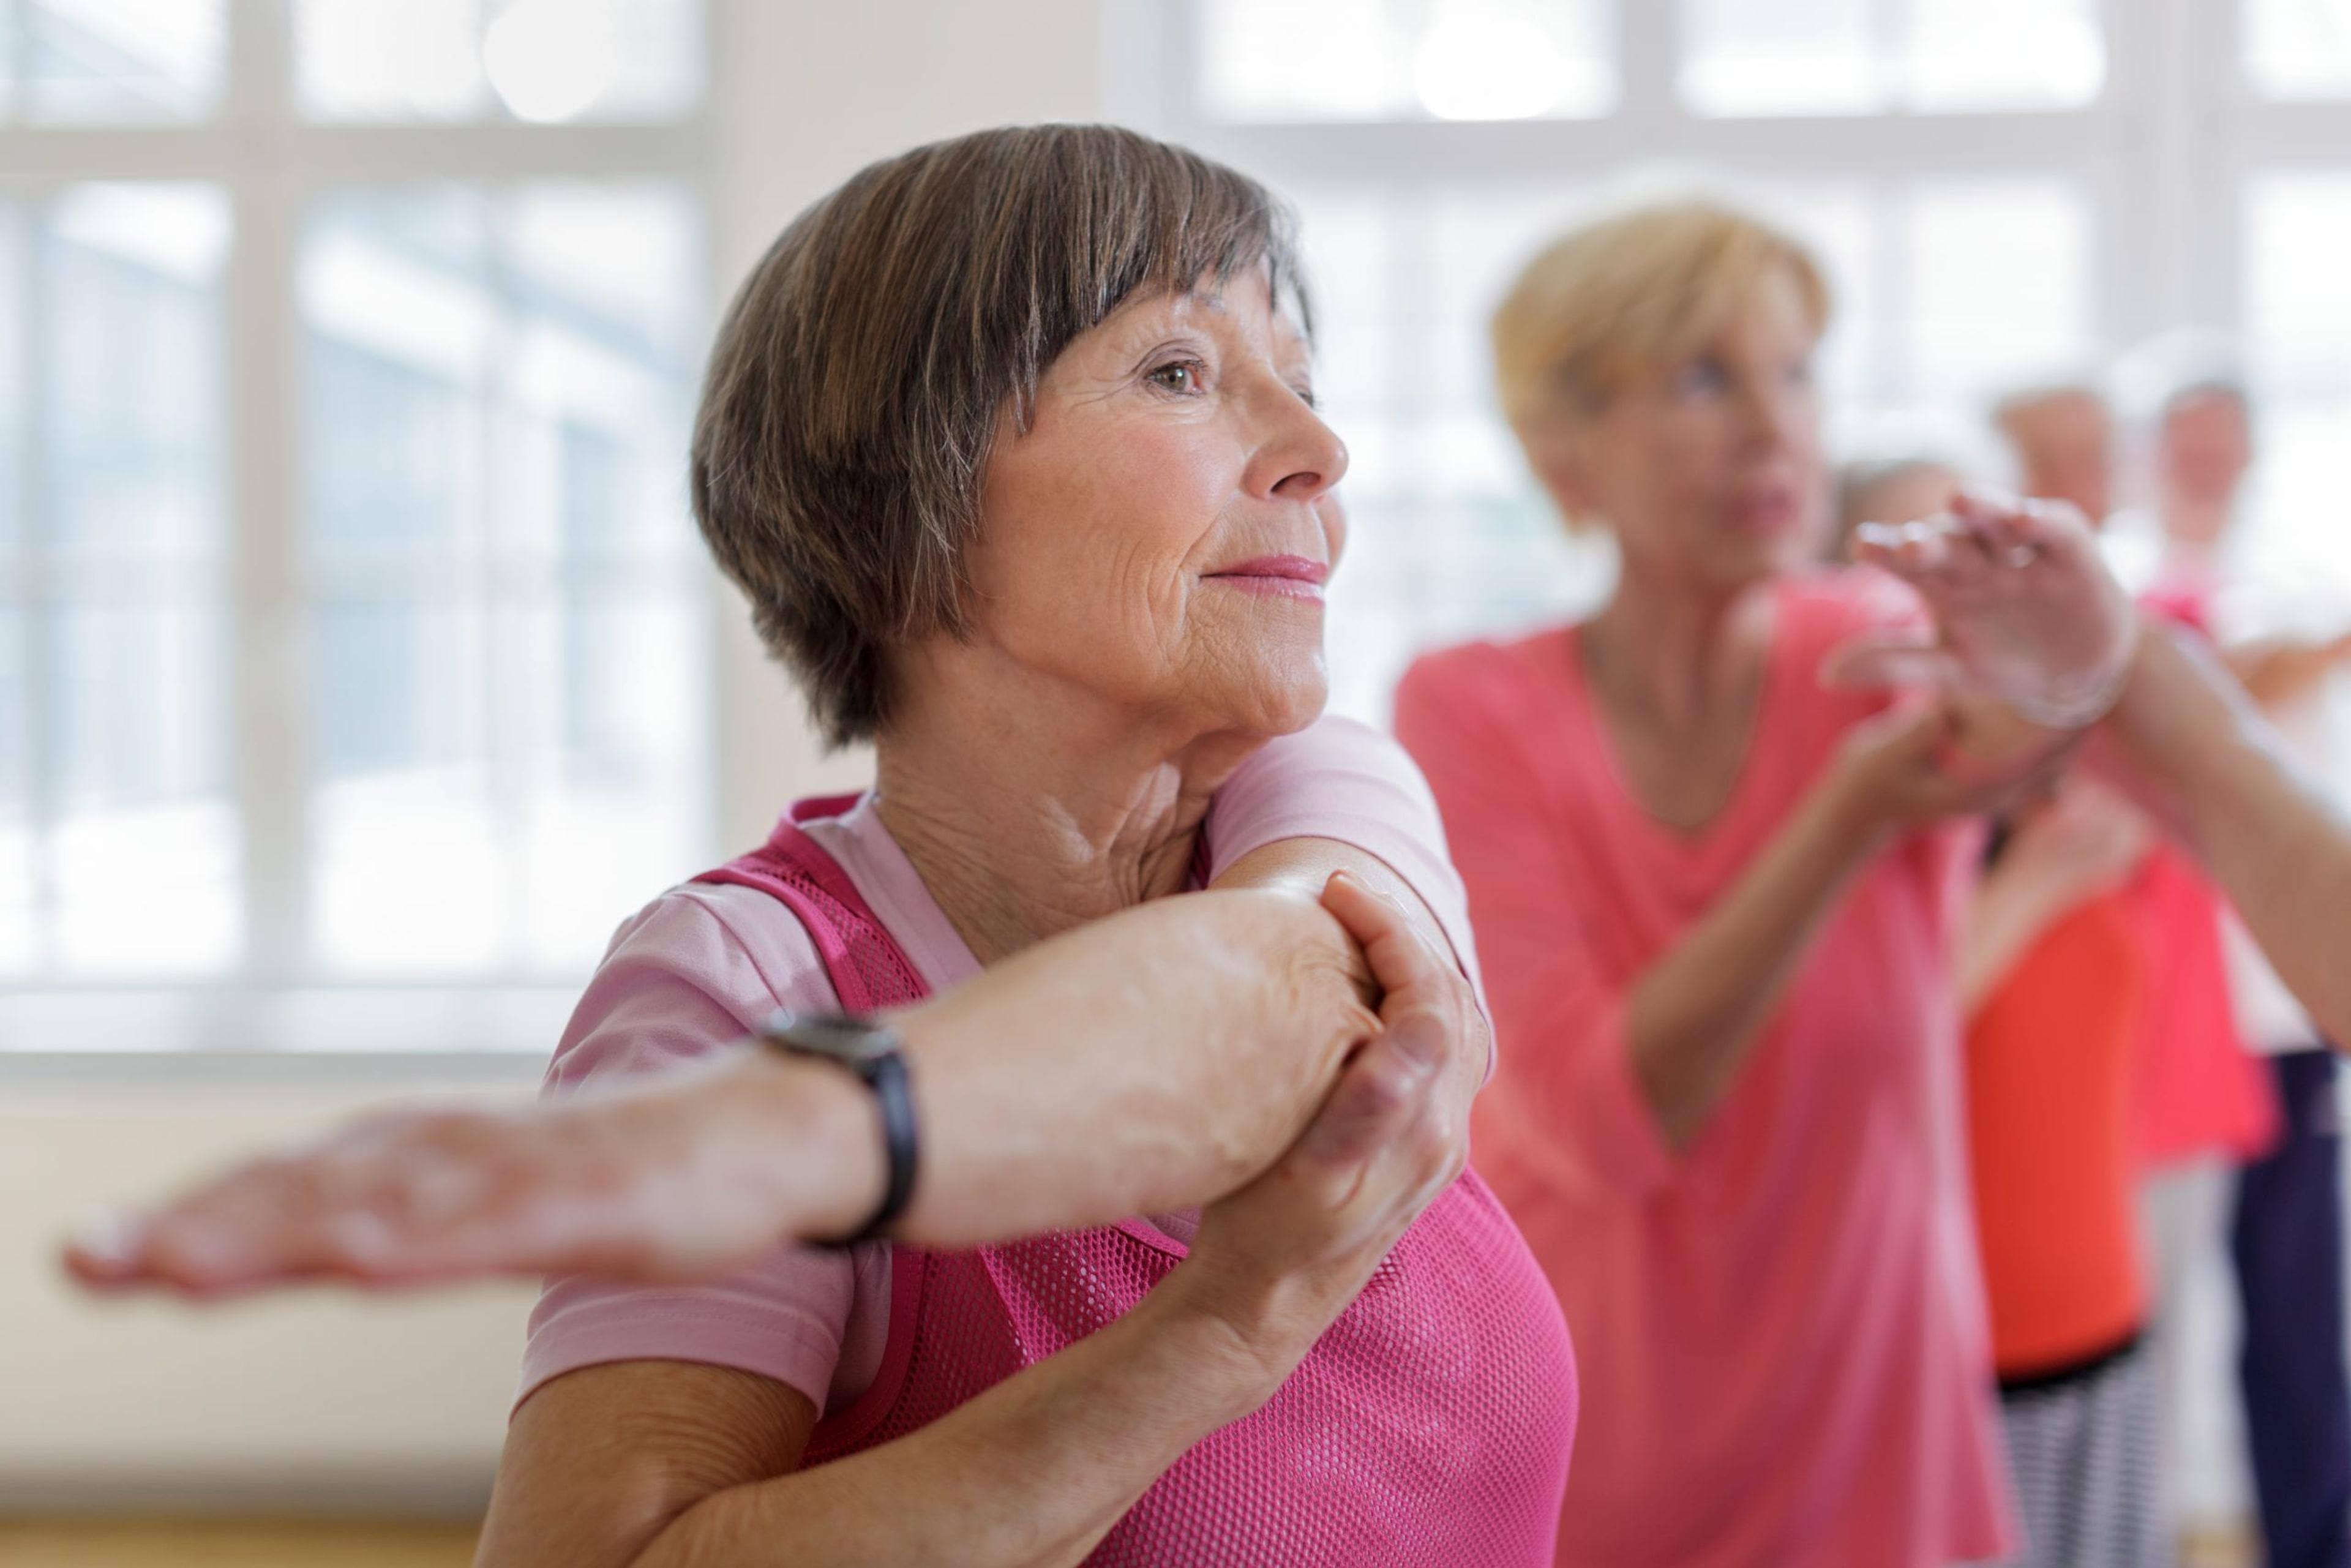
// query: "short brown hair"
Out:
[1633,292]
[861,375]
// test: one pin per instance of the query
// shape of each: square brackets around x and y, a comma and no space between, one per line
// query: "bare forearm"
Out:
[2269,839]
[1033,1472]
[1696,1013]
[2010,913]
[1154,1061]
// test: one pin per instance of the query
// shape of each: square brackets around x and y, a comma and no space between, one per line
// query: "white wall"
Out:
[325,1400]
[807,93]
[319,1399]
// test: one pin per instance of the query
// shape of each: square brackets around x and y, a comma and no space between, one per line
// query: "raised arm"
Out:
[2020,595]
[1621,1074]
[2271,838]
[668,1463]
[2084,844]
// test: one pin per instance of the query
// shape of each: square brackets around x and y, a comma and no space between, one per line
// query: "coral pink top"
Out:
[1780,1330]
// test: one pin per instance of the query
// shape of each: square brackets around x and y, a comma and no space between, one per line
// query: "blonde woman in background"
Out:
[1714,898]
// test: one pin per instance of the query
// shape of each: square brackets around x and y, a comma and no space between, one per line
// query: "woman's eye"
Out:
[1702,376]
[1182,376]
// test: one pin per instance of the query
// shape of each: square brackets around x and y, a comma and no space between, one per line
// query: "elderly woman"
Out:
[1010,443]
[1714,899]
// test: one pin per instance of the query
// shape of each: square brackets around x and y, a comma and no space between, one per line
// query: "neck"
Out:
[1029,812]
[2192,528]
[1673,653]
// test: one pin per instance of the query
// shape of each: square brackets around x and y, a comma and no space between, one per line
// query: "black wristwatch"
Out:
[877,1056]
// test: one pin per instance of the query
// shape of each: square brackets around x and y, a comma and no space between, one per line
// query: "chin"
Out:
[1282,702]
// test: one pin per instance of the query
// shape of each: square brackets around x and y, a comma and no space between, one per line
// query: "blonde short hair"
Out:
[1630,293]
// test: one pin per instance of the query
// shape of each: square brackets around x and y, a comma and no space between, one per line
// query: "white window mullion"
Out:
[39,603]
[269,626]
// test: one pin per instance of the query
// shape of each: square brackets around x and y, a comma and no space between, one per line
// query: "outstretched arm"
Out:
[1151,1060]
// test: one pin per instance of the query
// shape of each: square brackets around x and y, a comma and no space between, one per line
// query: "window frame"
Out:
[271,164]
[2176,133]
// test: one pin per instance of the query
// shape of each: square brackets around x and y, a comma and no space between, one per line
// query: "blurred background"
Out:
[360,668]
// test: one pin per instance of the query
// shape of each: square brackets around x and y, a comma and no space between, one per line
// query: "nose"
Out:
[1298,458]
[1775,410]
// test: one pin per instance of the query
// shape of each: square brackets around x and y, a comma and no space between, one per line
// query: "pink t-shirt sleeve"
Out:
[1346,781]
[1566,1080]
[691,975]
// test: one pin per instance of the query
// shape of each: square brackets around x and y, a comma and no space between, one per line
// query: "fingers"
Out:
[394,1200]
[1883,659]
[1376,1101]
[1401,961]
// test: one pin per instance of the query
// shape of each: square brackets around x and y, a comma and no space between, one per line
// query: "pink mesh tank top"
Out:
[1428,1427]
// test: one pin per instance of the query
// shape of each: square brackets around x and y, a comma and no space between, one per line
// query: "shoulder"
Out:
[695,969]
[1456,695]
[1488,666]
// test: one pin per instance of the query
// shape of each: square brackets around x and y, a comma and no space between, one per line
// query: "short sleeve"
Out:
[692,975]
[1346,782]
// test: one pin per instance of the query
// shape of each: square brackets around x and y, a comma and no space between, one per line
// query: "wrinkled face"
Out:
[1709,471]
[1160,536]
[2203,450]
[2064,447]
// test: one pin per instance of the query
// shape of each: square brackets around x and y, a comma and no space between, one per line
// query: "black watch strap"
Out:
[877,1057]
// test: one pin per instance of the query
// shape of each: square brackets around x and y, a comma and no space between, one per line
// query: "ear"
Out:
[1558,453]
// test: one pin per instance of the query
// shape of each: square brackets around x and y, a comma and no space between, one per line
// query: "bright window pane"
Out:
[120,61]
[2299,48]
[2299,319]
[2299,312]
[1998,286]
[12,369]
[544,60]
[120,662]
[134,375]
[1405,59]
[1447,534]
[143,850]
[507,719]
[1858,57]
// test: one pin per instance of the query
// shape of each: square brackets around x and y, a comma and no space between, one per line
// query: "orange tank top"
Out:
[2051,1134]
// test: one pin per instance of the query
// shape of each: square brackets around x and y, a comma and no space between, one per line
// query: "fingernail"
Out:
[109,1238]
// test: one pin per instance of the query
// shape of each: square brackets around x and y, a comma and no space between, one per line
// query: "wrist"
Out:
[1239,1352]
[1848,814]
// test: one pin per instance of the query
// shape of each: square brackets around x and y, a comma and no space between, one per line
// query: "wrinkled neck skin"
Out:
[1030,807]
[1674,656]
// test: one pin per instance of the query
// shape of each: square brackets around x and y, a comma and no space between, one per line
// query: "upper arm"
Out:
[599,1461]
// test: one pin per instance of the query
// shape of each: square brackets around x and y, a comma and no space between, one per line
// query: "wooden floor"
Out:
[211,1543]
[69,1543]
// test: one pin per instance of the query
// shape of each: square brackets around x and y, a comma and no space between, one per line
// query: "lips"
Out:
[1286,576]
